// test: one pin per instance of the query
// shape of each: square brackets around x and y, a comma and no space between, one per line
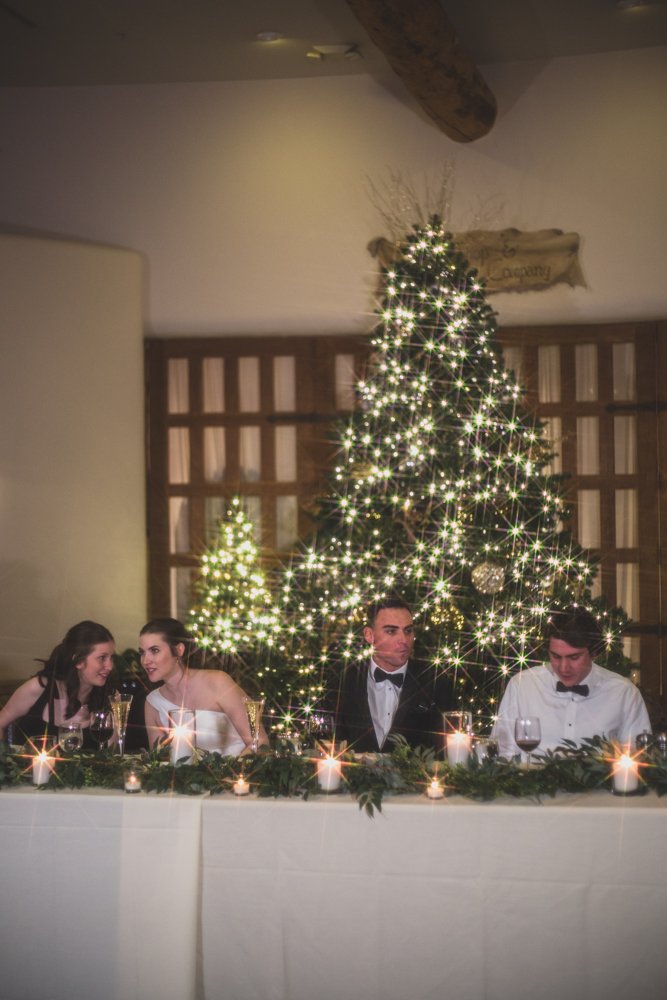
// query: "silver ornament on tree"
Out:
[488,578]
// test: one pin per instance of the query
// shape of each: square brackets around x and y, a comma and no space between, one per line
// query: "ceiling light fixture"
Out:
[333,51]
[268,36]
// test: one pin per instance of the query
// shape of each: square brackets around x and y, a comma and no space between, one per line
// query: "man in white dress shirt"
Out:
[572,696]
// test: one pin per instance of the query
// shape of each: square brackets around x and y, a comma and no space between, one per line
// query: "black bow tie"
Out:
[581,689]
[382,675]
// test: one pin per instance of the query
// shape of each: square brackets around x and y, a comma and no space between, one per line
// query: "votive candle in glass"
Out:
[434,790]
[240,786]
[132,780]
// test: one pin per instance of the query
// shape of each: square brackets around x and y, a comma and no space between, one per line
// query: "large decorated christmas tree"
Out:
[439,497]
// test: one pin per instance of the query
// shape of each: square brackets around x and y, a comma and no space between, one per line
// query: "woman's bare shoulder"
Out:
[34,685]
[215,680]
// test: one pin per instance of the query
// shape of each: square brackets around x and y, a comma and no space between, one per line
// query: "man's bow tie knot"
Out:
[581,689]
[382,675]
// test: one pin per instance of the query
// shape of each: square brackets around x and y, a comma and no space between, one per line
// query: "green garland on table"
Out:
[369,778]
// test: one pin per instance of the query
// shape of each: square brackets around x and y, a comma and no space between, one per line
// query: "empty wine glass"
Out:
[527,734]
[101,727]
[70,737]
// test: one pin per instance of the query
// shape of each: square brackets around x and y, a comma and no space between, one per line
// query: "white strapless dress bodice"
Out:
[214,731]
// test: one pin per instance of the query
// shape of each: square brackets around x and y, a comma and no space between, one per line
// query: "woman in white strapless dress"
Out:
[221,723]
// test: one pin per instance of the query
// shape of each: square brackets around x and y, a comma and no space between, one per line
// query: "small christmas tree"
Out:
[234,609]
[440,498]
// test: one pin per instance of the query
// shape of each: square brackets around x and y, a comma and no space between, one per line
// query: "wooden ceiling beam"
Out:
[423,49]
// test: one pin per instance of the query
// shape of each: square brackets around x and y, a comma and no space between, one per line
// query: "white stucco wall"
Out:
[72,471]
[249,199]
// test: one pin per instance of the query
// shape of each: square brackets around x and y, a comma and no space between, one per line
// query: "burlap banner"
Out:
[509,260]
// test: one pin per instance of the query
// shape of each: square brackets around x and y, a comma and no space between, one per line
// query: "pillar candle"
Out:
[626,775]
[458,748]
[328,774]
[42,767]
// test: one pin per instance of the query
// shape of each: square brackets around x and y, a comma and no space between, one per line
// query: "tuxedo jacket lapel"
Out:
[358,712]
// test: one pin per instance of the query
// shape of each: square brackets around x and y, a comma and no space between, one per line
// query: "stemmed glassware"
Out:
[101,727]
[527,734]
[254,708]
[120,710]
[70,737]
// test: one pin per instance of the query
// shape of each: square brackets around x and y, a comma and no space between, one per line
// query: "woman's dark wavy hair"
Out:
[174,632]
[61,665]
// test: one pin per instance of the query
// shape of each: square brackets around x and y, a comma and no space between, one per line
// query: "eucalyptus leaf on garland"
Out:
[370,782]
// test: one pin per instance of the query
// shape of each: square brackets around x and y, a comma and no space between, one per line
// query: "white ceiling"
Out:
[87,42]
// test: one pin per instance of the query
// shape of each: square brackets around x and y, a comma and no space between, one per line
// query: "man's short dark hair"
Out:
[577,627]
[374,609]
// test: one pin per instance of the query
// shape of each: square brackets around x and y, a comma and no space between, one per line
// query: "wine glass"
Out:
[120,710]
[101,727]
[527,734]
[254,708]
[70,737]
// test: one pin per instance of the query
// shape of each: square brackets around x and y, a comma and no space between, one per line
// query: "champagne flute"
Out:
[101,727]
[70,737]
[254,708]
[120,710]
[527,734]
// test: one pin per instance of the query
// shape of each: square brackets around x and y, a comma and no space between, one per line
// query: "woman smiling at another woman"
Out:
[71,684]
[168,655]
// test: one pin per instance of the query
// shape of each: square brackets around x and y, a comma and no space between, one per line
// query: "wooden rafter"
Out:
[423,49]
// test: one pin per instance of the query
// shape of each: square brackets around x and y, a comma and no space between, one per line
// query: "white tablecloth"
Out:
[428,901]
[99,896]
[106,896]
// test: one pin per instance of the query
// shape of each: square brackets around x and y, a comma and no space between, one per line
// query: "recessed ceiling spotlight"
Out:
[268,36]
[347,51]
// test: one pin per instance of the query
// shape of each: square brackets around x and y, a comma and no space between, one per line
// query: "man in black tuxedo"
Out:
[391,694]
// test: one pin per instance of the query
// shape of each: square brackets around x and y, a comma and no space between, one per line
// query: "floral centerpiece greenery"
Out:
[369,780]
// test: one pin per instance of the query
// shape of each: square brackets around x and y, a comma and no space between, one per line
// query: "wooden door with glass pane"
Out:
[598,390]
[249,417]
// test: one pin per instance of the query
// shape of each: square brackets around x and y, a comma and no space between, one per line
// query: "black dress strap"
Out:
[32,724]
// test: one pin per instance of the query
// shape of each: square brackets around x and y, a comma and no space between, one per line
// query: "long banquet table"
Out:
[147,897]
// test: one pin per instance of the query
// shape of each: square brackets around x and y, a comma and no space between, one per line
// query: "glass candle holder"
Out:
[182,735]
[131,780]
[44,761]
[240,786]
[434,790]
